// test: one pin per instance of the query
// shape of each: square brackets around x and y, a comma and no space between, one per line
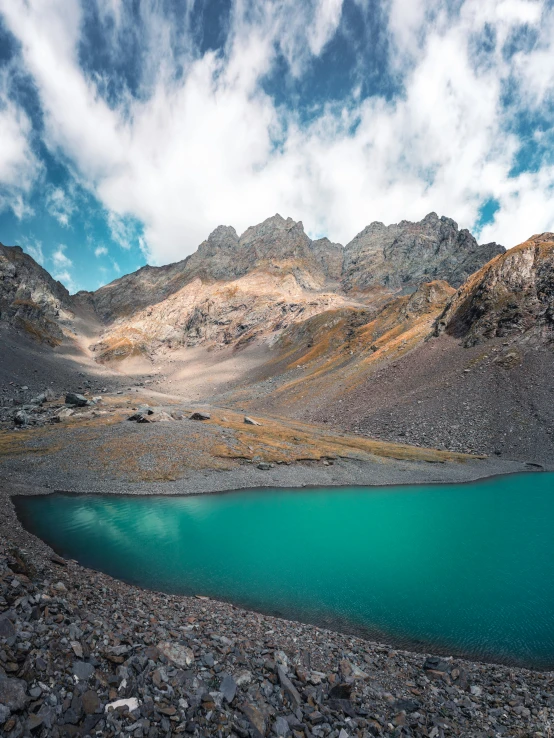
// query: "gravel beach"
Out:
[82,654]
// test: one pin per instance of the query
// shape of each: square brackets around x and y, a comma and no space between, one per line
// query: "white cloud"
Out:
[59,204]
[64,276]
[525,202]
[34,248]
[59,258]
[124,229]
[19,167]
[61,265]
[210,146]
[100,251]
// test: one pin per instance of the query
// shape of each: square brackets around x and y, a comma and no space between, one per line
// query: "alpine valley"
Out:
[412,340]
[407,360]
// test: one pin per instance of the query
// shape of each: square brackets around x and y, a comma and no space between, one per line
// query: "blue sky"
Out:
[129,130]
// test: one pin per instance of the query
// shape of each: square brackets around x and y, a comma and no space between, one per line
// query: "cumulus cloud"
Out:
[100,251]
[34,248]
[60,259]
[19,166]
[59,204]
[61,267]
[204,143]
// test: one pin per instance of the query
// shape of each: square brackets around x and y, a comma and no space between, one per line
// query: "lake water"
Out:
[462,569]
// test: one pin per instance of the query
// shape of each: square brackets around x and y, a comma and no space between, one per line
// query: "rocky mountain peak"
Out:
[222,237]
[30,299]
[512,295]
[406,254]
[276,237]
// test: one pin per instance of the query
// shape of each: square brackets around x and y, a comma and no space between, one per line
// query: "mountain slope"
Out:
[276,243]
[475,374]
[235,289]
[30,300]
[407,254]
[513,295]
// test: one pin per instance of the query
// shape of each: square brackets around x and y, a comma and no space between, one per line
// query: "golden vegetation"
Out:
[37,332]
[338,350]
[118,347]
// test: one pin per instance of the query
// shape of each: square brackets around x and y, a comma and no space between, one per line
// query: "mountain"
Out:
[30,299]
[511,296]
[235,289]
[366,337]
[407,254]
[276,245]
[274,272]
[464,370]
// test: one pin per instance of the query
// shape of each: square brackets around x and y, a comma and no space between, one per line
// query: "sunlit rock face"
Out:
[237,289]
[30,300]
[513,295]
[406,254]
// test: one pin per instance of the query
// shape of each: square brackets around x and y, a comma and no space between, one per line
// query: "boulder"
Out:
[82,670]
[72,398]
[250,421]
[21,418]
[200,416]
[181,656]
[255,718]
[7,628]
[281,727]
[289,687]
[159,417]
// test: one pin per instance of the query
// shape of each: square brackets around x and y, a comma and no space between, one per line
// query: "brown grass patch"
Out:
[18,443]
[280,440]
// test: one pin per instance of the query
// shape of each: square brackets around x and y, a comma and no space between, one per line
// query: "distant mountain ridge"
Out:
[394,257]
[235,289]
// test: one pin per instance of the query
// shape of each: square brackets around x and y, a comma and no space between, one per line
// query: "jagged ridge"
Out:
[511,295]
[29,298]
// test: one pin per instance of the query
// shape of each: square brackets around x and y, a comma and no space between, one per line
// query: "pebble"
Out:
[155,666]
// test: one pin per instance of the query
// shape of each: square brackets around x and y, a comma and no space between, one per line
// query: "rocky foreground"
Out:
[82,654]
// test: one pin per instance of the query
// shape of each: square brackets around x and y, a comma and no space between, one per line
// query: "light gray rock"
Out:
[30,299]
[281,727]
[73,398]
[21,418]
[406,254]
[179,655]
[228,688]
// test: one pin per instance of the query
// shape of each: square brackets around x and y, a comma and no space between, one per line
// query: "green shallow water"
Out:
[463,569]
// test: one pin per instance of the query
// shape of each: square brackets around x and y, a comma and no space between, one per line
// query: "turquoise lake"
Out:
[461,569]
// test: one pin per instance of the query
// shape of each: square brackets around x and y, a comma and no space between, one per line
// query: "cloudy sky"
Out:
[129,129]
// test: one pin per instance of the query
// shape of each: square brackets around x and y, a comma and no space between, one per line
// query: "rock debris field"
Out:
[82,654]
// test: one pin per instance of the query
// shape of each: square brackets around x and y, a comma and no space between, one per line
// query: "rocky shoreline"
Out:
[82,654]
